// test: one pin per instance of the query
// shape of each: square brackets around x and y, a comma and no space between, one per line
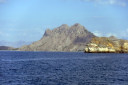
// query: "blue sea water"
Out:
[63,68]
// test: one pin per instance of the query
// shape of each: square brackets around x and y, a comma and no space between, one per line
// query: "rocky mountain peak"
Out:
[77,25]
[62,38]
[78,28]
[65,29]
[64,26]
[47,32]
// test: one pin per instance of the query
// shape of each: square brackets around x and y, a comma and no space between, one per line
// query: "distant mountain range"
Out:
[6,48]
[63,38]
[14,44]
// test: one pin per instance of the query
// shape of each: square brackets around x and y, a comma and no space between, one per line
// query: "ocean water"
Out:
[63,68]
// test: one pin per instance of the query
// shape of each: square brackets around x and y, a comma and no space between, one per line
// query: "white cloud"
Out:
[109,2]
[97,33]
[121,34]
[102,34]
[111,34]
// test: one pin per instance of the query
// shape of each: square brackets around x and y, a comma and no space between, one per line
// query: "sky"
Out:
[27,20]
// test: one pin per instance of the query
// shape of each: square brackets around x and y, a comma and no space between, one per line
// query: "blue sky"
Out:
[27,20]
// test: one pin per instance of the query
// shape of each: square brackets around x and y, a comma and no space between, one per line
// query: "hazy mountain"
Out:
[63,38]
[14,44]
[6,48]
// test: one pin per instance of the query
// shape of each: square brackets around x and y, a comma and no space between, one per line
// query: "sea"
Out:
[63,68]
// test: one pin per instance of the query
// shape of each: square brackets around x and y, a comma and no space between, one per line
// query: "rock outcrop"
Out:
[63,38]
[107,45]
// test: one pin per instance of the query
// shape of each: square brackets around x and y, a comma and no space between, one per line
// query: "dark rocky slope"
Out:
[63,38]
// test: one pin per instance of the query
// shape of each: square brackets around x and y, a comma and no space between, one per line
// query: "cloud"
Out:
[109,2]
[121,34]
[97,33]
[112,34]
[100,34]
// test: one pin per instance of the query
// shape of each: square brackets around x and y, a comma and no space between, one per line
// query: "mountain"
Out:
[63,38]
[107,45]
[14,44]
[6,48]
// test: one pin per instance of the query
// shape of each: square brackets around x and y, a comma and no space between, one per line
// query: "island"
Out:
[75,38]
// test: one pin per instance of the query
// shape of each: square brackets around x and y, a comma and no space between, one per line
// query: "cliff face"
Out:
[63,38]
[107,45]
